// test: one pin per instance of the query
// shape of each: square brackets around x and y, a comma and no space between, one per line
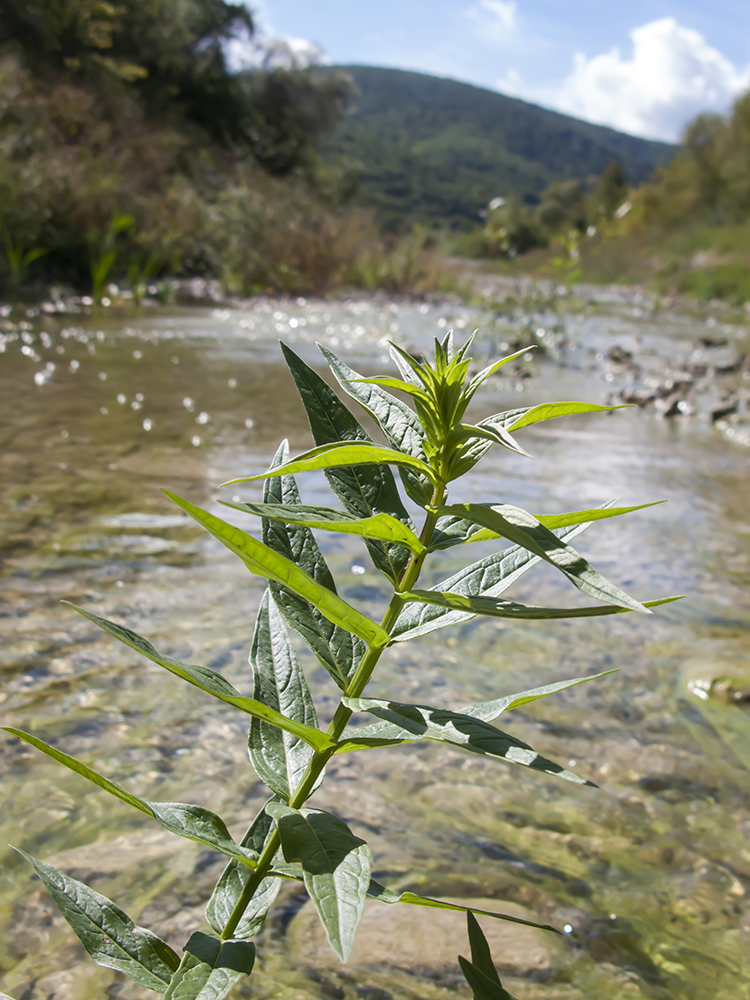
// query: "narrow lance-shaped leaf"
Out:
[209,681]
[489,710]
[363,490]
[343,453]
[337,649]
[384,733]
[495,607]
[480,972]
[396,383]
[473,432]
[233,880]
[407,370]
[481,956]
[336,867]
[482,986]
[482,376]
[383,895]
[106,932]
[184,820]
[488,577]
[524,529]
[514,420]
[279,758]
[398,422]
[421,722]
[210,968]
[458,530]
[382,527]
[263,561]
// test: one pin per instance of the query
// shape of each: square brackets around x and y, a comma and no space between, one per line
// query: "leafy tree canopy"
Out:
[171,55]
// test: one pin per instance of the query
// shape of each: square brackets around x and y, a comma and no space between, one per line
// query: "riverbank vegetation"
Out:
[129,149]
[685,231]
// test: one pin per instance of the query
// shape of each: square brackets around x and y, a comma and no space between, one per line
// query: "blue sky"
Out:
[645,68]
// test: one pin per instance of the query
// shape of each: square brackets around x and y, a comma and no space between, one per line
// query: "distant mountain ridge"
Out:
[432,148]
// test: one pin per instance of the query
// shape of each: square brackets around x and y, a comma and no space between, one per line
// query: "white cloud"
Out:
[673,75]
[274,52]
[495,19]
[503,10]
[267,50]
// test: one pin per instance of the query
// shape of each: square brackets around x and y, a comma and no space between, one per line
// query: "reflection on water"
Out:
[651,870]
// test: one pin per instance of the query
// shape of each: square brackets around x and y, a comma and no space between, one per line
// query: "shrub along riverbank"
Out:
[129,150]
[687,231]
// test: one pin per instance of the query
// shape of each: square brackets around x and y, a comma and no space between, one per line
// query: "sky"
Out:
[641,67]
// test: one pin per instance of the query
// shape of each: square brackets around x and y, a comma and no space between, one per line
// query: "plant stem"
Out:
[341,717]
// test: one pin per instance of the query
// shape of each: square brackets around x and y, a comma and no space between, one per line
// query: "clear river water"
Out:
[649,873]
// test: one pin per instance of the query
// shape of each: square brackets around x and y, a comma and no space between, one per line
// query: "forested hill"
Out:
[435,149]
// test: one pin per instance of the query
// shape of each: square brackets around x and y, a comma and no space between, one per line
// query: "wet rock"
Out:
[730,690]
[416,939]
[724,410]
[672,406]
[619,356]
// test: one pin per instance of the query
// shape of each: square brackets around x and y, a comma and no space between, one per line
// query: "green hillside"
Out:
[435,149]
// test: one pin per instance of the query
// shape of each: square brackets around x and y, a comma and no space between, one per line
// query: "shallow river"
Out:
[649,873]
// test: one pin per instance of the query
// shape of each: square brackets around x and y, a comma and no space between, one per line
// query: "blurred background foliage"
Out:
[303,180]
[130,110]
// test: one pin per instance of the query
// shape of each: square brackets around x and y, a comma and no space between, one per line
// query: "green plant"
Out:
[432,446]
[141,270]
[567,265]
[480,973]
[19,259]
[103,252]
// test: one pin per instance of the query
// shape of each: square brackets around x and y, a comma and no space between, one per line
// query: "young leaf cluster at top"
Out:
[441,397]
[431,445]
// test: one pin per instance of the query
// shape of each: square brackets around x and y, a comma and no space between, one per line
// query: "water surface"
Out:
[651,871]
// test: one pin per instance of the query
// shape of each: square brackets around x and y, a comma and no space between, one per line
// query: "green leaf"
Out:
[398,422]
[279,758]
[489,710]
[383,895]
[514,420]
[524,529]
[263,561]
[407,368]
[363,490]
[400,385]
[184,820]
[473,432]
[209,681]
[483,986]
[488,577]
[336,867]
[421,722]
[480,950]
[482,376]
[380,526]
[494,607]
[108,935]
[337,649]
[459,530]
[343,453]
[580,516]
[210,968]
[233,880]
